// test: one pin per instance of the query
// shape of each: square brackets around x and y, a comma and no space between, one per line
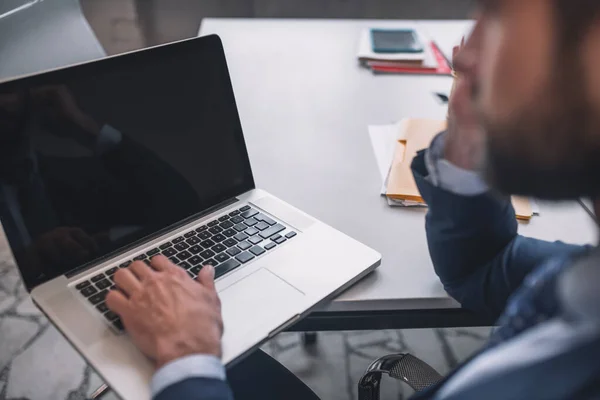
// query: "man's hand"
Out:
[465,140]
[167,314]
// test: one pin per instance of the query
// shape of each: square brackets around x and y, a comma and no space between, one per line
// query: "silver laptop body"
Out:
[274,262]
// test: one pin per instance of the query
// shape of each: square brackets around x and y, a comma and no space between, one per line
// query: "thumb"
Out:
[207,277]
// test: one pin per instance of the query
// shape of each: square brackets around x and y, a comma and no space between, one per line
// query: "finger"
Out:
[161,263]
[207,277]
[117,302]
[141,270]
[127,282]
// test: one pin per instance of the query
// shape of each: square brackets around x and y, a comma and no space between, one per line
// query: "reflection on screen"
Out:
[97,157]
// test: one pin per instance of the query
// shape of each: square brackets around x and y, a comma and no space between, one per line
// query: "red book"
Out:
[387,67]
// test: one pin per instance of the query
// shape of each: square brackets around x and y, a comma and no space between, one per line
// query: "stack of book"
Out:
[429,61]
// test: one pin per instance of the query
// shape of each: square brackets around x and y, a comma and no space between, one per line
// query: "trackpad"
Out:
[254,307]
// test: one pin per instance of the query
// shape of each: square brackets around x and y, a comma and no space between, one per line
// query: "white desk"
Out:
[49,34]
[305,105]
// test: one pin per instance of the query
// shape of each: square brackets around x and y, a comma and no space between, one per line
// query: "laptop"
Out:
[131,156]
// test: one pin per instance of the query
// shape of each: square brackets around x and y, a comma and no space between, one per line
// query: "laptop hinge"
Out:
[160,233]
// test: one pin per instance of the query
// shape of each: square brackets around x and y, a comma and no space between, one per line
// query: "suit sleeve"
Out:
[474,245]
[197,389]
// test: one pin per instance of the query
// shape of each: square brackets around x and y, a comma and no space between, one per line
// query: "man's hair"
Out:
[575,18]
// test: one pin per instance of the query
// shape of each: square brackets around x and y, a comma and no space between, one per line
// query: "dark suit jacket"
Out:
[482,261]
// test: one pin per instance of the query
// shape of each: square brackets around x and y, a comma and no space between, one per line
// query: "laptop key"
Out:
[189,234]
[184,255]
[237,220]
[111,316]
[280,240]
[174,260]
[215,229]
[262,226]
[240,227]
[182,246]
[218,237]
[88,291]
[207,254]
[251,231]
[218,248]
[226,267]
[234,251]
[265,219]
[249,213]
[196,270]
[270,246]
[98,297]
[178,240]
[193,240]
[202,229]
[251,222]
[152,252]
[230,242]
[118,324]
[112,271]
[272,231]
[195,249]
[125,264]
[290,235]
[257,250]
[240,237]
[226,224]
[275,237]
[223,218]
[204,235]
[245,208]
[139,258]
[103,284]
[213,223]
[185,264]
[97,278]
[102,307]
[244,245]
[211,262]
[169,252]
[234,213]
[195,260]
[222,257]
[255,239]
[165,245]
[230,232]
[82,285]
[207,244]
[244,257]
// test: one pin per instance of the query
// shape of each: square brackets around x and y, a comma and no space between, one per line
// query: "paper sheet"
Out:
[383,141]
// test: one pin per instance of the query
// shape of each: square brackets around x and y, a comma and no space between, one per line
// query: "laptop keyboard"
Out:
[226,243]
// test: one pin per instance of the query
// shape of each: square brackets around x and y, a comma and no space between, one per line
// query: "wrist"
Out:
[170,351]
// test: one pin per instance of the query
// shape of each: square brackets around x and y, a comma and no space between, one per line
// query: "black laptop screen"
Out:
[97,157]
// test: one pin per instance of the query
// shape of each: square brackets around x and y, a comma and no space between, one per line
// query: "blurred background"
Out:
[123,25]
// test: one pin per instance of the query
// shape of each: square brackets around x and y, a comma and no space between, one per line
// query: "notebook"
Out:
[417,134]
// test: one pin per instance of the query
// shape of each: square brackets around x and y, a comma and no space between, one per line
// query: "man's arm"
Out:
[473,239]
[196,389]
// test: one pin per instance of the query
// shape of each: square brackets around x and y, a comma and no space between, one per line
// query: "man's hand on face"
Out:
[167,314]
[465,140]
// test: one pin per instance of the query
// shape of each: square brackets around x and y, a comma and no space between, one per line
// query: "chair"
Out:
[405,367]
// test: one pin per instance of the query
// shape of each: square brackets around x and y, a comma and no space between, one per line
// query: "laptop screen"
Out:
[97,157]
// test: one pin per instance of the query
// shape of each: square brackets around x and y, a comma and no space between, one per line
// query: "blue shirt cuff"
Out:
[194,366]
[445,175]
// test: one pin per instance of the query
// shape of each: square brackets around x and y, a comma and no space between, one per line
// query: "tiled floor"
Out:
[36,363]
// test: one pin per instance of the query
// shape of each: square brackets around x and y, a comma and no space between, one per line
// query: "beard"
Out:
[550,149]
